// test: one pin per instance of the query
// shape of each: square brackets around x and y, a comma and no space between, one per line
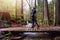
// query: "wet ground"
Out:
[32,36]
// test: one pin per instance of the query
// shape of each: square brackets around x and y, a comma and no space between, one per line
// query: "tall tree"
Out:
[46,12]
[54,12]
[35,3]
[22,9]
[57,12]
[16,9]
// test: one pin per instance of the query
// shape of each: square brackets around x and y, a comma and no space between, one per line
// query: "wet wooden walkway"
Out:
[31,29]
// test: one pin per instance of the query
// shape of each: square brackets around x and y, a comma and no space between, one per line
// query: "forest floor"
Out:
[24,28]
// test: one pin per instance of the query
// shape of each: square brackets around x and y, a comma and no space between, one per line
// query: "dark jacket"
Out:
[33,12]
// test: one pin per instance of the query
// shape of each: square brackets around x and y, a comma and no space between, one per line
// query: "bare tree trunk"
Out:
[35,3]
[16,9]
[22,9]
[54,12]
[57,12]
[46,12]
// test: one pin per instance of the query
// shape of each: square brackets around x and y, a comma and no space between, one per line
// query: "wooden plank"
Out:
[30,29]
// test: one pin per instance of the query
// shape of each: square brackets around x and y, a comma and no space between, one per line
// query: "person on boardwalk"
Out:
[33,17]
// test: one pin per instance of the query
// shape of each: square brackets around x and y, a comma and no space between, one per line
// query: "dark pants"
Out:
[34,21]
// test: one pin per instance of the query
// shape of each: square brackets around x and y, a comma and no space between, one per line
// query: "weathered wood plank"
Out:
[30,29]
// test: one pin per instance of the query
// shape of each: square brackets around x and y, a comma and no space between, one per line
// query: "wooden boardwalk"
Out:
[31,29]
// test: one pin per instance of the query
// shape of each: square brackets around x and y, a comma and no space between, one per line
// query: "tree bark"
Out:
[57,12]
[16,9]
[35,3]
[46,11]
[22,9]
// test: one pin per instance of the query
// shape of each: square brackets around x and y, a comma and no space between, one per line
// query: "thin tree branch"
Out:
[28,4]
